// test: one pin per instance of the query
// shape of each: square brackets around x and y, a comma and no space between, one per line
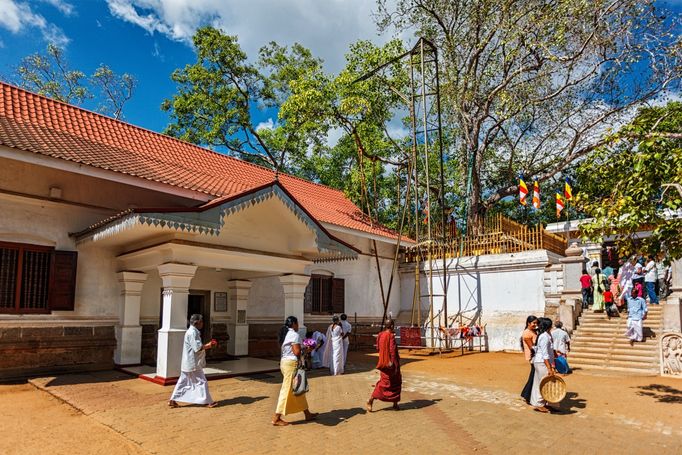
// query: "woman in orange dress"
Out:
[390,383]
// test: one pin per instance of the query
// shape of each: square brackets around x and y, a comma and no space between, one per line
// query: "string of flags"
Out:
[561,200]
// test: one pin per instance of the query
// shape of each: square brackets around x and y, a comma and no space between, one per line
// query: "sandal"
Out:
[541,409]
[212,405]
[280,423]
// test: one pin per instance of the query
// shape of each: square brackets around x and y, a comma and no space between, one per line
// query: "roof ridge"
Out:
[166,136]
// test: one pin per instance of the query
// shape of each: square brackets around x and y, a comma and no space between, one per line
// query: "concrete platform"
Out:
[215,370]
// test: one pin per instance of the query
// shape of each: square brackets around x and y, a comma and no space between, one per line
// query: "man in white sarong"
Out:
[318,352]
[192,386]
[333,352]
[637,311]
[347,328]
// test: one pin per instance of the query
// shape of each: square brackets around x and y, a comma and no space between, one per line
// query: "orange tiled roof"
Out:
[41,125]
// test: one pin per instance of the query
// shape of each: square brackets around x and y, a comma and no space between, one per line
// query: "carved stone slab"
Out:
[671,355]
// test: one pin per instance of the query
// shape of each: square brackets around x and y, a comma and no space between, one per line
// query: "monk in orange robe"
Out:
[390,383]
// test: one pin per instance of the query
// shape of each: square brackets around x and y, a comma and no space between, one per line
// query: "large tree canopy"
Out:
[531,86]
[628,185]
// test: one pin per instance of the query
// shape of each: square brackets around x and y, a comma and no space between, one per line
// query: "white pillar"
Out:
[128,330]
[176,279]
[238,327]
[294,291]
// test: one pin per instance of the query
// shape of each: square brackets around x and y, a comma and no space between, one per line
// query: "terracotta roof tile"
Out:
[40,125]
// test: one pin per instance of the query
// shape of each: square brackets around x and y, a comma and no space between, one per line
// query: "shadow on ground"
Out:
[88,378]
[571,403]
[661,393]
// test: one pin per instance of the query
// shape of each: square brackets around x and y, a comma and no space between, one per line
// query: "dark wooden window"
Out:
[36,279]
[324,295]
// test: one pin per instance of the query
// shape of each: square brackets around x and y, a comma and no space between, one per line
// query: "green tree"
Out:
[217,95]
[624,184]
[49,75]
[530,86]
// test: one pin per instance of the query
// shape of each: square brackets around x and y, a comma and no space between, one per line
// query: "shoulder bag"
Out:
[299,385]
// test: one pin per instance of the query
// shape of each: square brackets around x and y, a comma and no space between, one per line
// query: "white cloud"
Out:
[326,27]
[269,124]
[17,17]
[65,8]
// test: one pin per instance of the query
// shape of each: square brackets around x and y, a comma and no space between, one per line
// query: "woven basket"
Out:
[552,389]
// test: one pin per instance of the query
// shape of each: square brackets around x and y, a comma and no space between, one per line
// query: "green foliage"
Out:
[621,184]
[49,75]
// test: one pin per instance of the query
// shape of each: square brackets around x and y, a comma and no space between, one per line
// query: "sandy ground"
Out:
[33,422]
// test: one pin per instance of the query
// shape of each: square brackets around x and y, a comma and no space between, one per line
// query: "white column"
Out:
[176,279]
[238,327]
[128,330]
[294,291]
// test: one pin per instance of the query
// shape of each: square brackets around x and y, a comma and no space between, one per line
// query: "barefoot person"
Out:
[528,338]
[637,311]
[192,387]
[288,403]
[390,383]
[543,361]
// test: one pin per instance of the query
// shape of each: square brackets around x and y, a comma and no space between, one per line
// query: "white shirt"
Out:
[544,349]
[651,274]
[191,350]
[319,336]
[561,340]
[290,340]
[346,327]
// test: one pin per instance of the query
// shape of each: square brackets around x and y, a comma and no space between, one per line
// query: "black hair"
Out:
[585,272]
[530,319]
[344,317]
[597,271]
[309,334]
[544,325]
[335,319]
[290,321]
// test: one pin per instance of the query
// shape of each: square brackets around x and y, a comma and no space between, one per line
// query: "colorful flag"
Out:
[568,191]
[559,204]
[536,195]
[523,191]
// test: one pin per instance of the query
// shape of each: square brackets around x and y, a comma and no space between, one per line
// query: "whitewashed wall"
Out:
[503,289]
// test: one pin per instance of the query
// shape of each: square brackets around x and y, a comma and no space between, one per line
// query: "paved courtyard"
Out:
[450,405]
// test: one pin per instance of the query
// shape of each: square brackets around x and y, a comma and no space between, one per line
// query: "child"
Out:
[611,309]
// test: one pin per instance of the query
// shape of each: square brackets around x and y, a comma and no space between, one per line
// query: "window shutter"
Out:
[308,298]
[338,295]
[63,280]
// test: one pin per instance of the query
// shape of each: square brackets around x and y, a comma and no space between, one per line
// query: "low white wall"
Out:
[500,289]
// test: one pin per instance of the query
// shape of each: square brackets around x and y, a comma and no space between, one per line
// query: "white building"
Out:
[111,235]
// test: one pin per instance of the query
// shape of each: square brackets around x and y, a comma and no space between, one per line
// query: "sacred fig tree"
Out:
[631,185]
[530,86]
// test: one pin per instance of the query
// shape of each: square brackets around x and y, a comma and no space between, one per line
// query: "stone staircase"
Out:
[600,344]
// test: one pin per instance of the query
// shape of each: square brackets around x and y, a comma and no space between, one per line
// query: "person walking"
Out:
[586,287]
[637,311]
[543,361]
[562,346]
[333,351]
[650,280]
[598,287]
[390,382]
[528,338]
[291,350]
[192,386]
[347,329]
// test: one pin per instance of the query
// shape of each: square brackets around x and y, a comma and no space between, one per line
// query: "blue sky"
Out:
[150,38]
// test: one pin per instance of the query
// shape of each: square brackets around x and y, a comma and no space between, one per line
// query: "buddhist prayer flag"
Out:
[568,191]
[536,195]
[559,204]
[523,191]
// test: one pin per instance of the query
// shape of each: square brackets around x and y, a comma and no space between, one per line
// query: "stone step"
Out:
[633,350]
[621,339]
[601,368]
[623,319]
[611,331]
[628,365]
[612,357]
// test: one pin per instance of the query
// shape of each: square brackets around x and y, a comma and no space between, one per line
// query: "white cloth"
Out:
[333,353]
[544,350]
[651,275]
[290,340]
[635,332]
[192,387]
[318,352]
[193,357]
[347,329]
[535,395]
[561,340]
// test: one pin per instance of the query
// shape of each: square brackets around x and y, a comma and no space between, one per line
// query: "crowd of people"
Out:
[545,347]
[315,351]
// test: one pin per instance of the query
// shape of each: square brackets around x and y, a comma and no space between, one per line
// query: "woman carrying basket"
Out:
[288,403]
[543,362]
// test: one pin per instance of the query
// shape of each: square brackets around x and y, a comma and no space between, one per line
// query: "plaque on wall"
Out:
[220,301]
[241,316]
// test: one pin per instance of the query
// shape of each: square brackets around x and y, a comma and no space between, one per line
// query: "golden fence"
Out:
[500,235]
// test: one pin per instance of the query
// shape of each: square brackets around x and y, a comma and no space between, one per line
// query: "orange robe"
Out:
[390,383]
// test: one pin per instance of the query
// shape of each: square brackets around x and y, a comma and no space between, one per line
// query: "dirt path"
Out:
[34,422]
